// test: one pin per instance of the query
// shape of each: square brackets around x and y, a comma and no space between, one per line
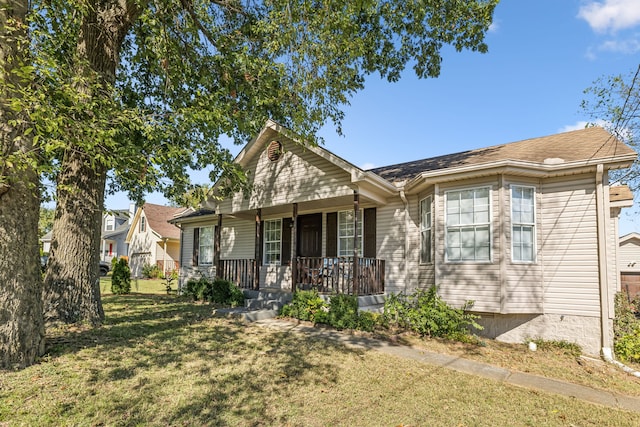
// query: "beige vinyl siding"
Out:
[459,282]
[390,236]
[422,275]
[187,269]
[523,291]
[237,239]
[569,250]
[298,176]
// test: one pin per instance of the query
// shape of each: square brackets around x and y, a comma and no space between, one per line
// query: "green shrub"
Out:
[121,278]
[368,321]
[306,305]
[426,313]
[195,288]
[150,271]
[343,311]
[627,347]
[218,291]
[626,328]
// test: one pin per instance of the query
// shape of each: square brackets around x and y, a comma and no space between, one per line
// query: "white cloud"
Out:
[575,126]
[629,46]
[367,166]
[611,14]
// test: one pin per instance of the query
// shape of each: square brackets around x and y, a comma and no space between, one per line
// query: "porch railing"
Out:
[168,265]
[336,275]
[239,271]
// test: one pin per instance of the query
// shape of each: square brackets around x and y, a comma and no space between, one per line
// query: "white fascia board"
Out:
[537,170]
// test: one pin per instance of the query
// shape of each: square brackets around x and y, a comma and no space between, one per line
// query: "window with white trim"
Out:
[205,240]
[143,224]
[346,233]
[425,230]
[468,225]
[109,223]
[272,241]
[523,223]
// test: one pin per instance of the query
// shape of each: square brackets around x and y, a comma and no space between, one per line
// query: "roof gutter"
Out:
[534,169]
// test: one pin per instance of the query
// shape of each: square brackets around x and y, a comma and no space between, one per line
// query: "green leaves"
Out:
[188,73]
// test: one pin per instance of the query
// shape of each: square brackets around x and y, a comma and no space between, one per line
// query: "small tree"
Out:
[121,278]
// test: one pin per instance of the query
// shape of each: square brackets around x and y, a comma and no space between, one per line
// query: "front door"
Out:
[309,235]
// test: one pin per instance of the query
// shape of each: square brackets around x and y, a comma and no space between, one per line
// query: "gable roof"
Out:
[584,145]
[629,237]
[273,130]
[157,217]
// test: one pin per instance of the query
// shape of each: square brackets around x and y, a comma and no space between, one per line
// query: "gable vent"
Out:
[274,150]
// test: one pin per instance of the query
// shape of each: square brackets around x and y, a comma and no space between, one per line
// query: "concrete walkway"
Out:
[456,363]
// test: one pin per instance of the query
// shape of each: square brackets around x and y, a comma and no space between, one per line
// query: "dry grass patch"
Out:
[162,360]
[552,362]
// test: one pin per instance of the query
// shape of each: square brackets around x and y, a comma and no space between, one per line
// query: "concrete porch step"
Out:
[246,315]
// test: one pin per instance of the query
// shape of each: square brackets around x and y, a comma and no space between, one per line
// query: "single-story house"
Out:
[153,240]
[629,264]
[527,230]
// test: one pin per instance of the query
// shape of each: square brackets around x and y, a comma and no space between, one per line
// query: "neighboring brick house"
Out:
[527,230]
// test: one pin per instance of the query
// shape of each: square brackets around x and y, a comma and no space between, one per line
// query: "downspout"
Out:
[605,333]
[403,197]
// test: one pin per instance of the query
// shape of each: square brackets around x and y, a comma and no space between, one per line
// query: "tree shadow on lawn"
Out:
[172,356]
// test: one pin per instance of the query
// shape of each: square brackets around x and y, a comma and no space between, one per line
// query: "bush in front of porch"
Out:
[218,291]
[423,312]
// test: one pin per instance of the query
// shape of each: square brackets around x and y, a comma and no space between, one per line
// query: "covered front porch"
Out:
[328,246]
[330,275]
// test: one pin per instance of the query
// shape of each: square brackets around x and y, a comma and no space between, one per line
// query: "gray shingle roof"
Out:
[585,144]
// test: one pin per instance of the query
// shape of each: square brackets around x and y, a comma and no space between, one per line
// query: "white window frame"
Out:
[143,224]
[426,221]
[519,223]
[272,242]
[109,223]
[463,225]
[203,245]
[345,233]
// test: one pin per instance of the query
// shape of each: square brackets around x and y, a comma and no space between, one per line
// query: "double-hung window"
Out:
[468,225]
[272,241]
[109,223]
[425,230]
[523,223]
[205,241]
[346,233]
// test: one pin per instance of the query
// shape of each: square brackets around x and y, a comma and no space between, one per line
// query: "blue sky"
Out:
[542,55]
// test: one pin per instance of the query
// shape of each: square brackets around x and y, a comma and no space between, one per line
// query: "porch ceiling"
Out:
[305,207]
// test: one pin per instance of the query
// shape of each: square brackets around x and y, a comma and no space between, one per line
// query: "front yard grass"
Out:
[163,360]
[138,286]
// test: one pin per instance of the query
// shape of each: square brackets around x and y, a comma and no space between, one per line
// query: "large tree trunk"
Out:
[72,290]
[72,282]
[21,322]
